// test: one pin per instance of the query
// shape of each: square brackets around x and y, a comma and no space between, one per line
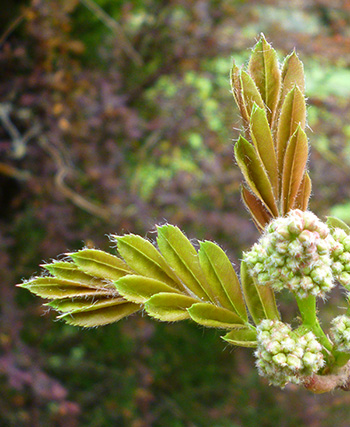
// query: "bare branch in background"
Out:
[113,25]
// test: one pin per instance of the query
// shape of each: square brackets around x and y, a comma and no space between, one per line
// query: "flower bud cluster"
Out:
[294,253]
[340,253]
[341,332]
[283,356]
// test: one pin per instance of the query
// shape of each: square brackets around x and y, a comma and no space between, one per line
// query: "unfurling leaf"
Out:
[250,93]
[182,257]
[294,166]
[292,75]
[139,289]
[303,196]
[260,299]
[169,307]
[100,264]
[293,114]
[222,278]
[264,69]
[262,140]
[236,87]
[243,337]
[212,316]
[254,172]
[259,213]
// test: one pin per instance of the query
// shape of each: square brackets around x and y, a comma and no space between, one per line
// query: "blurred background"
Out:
[114,116]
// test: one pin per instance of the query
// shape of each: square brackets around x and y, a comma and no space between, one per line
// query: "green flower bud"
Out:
[340,332]
[284,356]
[292,248]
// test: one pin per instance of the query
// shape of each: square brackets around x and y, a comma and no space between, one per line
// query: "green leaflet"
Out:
[139,289]
[243,337]
[264,69]
[292,75]
[236,88]
[69,271]
[293,168]
[182,257]
[100,264]
[144,258]
[169,307]
[293,114]
[259,213]
[302,199]
[222,278]
[334,222]
[250,92]
[255,174]
[212,316]
[260,299]
[98,316]
[52,288]
[67,305]
[264,145]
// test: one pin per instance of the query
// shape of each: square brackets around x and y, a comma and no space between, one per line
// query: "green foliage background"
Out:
[133,125]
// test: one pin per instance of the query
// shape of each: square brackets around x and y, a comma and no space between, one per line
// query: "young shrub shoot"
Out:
[297,252]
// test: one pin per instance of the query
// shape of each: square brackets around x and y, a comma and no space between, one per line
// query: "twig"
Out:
[113,25]
[80,201]
[19,141]
[11,29]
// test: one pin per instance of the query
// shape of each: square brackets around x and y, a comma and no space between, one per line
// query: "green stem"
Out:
[341,358]
[307,308]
